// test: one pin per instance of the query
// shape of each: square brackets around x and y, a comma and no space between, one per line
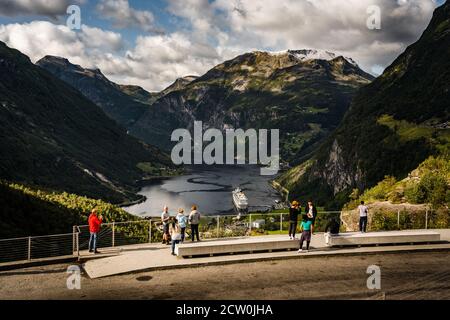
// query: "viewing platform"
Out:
[139,258]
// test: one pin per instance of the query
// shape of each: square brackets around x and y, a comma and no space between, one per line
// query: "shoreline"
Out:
[155,180]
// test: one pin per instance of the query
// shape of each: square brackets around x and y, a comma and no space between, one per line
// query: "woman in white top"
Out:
[176,238]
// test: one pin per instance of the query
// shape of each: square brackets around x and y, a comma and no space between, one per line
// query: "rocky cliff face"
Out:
[335,171]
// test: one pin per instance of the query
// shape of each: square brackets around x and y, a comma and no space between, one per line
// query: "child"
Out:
[182,223]
[307,228]
[176,238]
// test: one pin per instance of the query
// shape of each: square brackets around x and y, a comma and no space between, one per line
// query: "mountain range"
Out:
[304,93]
[68,128]
[392,126]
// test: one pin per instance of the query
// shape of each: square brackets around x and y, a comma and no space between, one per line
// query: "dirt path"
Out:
[404,276]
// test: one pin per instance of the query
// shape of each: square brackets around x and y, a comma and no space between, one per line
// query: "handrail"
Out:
[150,219]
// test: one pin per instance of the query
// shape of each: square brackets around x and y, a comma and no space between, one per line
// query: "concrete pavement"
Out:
[156,256]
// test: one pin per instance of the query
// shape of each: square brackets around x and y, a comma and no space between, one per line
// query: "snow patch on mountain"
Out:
[312,54]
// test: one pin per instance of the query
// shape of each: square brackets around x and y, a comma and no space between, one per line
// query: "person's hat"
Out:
[295,203]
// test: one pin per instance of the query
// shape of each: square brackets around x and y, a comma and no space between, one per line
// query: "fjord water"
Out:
[210,188]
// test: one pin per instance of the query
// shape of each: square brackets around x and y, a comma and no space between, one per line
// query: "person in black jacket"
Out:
[294,211]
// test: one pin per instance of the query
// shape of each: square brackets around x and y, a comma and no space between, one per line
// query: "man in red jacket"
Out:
[95,224]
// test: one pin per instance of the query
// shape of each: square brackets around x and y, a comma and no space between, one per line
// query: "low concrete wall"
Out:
[379,238]
[232,247]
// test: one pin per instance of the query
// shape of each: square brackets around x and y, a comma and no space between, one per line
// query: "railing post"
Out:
[150,231]
[250,223]
[426,219]
[281,222]
[73,238]
[218,227]
[78,244]
[29,248]
[113,234]
[398,219]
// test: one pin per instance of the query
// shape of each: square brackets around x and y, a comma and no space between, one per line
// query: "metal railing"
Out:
[404,219]
[41,247]
[211,227]
[144,231]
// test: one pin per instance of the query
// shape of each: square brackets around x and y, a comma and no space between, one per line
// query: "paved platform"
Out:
[232,246]
[156,256]
[381,238]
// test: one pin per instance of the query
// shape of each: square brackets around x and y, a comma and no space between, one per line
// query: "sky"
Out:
[151,43]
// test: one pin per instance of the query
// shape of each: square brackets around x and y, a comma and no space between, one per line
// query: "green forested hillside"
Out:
[52,136]
[428,184]
[27,211]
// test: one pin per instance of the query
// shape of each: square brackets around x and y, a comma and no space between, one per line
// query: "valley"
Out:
[69,131]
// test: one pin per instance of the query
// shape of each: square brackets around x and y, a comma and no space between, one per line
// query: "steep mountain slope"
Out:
[303,93]
[392,126]
[123,104]
[139,94]
[52,136]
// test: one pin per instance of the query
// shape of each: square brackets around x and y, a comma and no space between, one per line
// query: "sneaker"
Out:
[290,238]
[300,251]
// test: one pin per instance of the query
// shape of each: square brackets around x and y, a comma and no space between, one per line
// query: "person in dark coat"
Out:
[294,211]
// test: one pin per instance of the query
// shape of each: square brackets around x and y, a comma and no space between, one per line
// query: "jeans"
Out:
[174,243]
[363,224]
[183,234]
[194,232]
[93,242]
[292,228]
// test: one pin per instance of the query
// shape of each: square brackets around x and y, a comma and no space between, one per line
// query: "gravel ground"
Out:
[403,276]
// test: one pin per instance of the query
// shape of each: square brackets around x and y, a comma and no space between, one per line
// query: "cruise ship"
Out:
[240,200]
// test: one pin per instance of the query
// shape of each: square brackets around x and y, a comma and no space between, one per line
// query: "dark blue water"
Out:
[210,188]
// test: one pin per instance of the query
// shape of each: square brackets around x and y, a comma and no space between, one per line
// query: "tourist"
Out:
[333,226]
[311,212]
[165,219]
[194,220]
[294,212]
[176,237]
[363,212]
[95,223]
[182,223]
[307,228]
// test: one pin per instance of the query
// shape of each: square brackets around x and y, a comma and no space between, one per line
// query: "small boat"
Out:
[240,200]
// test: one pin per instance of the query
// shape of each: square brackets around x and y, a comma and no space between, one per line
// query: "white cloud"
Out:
[40,38]
[50,8]
[154,62]
[98,38]
[213,31]
[123,16]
